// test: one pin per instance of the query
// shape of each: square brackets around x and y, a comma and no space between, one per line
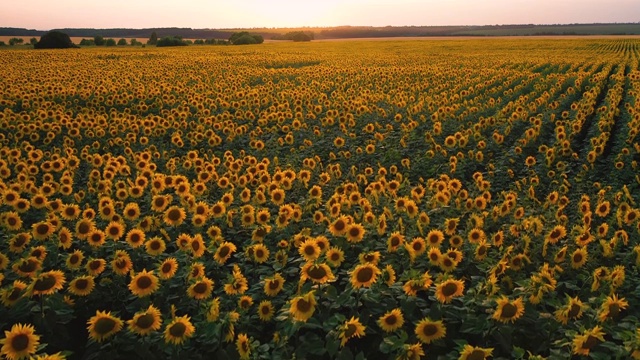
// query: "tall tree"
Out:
[153,39]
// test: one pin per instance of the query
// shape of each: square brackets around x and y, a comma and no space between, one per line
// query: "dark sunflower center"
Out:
[417,246]
[476,355]
[155,245]
[309,250]
[303,305]
[614,310]
[200,288]
[144,282]
[395,241]
[574,310]
[82,284]
[449,289]
[259,253]
[391,320]
[83,228]
[555,234]
[174,215]
[45,283]
[104,326]
[94,265]
[509,310]
[265,310]
[317,272]
[224,251]
[12,221]
[20,342]
[590,342]
[166,268]
[42,229]
[339,225]
[350,331]
[577,258]
[178,329]
[145,321]
[364,275]
[274,284]
[482,250]
[430,330]
[113,231]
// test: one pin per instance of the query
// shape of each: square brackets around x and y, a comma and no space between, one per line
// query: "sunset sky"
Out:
[46,14]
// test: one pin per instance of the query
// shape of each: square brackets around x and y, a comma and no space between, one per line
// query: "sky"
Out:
[197,14]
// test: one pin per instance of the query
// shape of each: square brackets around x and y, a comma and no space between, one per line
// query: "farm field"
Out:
[450,199]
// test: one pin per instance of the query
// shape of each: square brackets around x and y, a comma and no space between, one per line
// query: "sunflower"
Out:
[448,289]
[83,228]
[82,286]
[339,226]
[201,289]
[42,230]
[476,235]
[144,322]
[372,257]
[96,238]
[603,208]
[611,308]
[450,225]
[302,307]
[364,275]
[582,344]
[334,256]
[143,283]
[428,330]
[474,353]
[277,196]
[260,253]
[74,260]
[48,282]
[245,302]
[19,342]
[121,263]
[12,221]
[579,257]
[19,242]
[434,255]
[391,321]
[350,329]
[236,283]
[103,325]
[558,232]
[395,240]
[318,273]
[244,347]
[418,246]
[355,232]
[507,310]
[265,310]
[174,216]
[196,245]
[272,286]
[135,238]
[309,250]
[573,310]
[155,246]
[168,268]
[10,295]
[178,330]
[411,352]
[70,212]
[224,252]
[114,230]
[160,202]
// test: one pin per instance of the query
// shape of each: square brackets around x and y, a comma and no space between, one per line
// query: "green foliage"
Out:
[153,39]
[87,42]
[245,38]
[135,42]
[296,36]
[171,41]
[98,40]
[122,42]
[33,41]
[110,42]
[15,41]
[55,40]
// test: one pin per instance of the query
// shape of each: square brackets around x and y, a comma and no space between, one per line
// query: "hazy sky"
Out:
[48,14]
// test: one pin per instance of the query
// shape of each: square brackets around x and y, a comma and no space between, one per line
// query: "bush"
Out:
[110,42]
[171,41]
[98,40]
[122,42]
[135,42]
[55,40]
[16,41]
[245,38]
[2,43]
[87,42]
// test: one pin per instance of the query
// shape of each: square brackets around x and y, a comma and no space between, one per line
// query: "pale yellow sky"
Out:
[46,14]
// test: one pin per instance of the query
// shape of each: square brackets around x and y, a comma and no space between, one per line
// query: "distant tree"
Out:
[199,42]
[298,36]
[33,41]
[171,41]
[87,42]
[153,39]
[110,42]
[122,42]
[55,40]
[98,40]
[2,43]
[15,41]
[135,42]
[245,38]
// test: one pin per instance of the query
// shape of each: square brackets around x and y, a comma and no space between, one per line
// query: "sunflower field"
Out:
[450,199]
